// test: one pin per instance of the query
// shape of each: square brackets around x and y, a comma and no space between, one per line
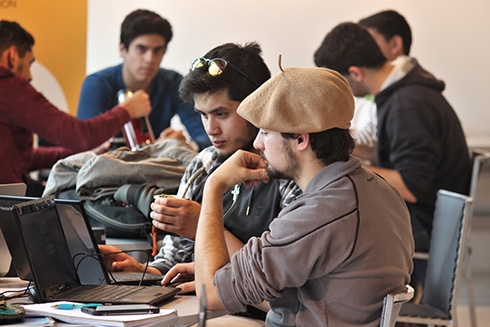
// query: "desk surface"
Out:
[186,305]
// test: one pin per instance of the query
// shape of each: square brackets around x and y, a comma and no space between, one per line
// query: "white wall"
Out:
[451,38]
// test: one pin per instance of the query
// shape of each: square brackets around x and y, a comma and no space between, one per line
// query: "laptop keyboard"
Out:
[103,293]
[134,278]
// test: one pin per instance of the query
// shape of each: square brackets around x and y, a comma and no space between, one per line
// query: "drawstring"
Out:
[249,204]
[235,192]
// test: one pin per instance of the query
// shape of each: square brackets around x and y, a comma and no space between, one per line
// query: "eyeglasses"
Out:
[217,66]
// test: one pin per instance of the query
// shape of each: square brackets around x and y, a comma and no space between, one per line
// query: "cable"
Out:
[11,294]
[97,256]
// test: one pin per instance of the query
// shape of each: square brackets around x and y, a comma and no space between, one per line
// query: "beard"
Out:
[293,166]
[275,174]
[358,88]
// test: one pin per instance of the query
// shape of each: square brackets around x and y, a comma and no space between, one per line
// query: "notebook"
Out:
[5,258]
[52,267]
[80,238]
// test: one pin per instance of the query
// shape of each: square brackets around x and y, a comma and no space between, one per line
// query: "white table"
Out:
[186,305]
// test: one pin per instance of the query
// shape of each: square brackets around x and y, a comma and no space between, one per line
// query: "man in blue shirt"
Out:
[144,39]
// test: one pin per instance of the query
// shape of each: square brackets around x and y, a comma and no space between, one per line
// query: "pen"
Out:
[71,306]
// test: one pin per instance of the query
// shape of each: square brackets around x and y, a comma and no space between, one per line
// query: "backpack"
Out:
[117,187]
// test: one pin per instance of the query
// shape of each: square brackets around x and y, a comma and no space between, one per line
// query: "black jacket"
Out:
[420,135]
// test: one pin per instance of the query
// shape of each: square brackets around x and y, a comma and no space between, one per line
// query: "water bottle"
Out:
[137,132]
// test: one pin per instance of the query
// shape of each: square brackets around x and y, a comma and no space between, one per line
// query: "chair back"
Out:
[392,304]
[481,159]
[447,248]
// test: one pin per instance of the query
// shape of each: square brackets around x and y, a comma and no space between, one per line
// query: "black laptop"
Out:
[80,238]
[85,251]
[53,269]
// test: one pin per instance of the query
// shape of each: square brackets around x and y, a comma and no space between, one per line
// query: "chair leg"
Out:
[469,287]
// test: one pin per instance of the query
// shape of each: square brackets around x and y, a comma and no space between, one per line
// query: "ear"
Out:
[122,50]
[12,57]
[303,141]
[396,46]
[356,73]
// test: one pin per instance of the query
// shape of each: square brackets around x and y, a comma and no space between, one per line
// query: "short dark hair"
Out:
[11,33]
[332,145]
[246,58]
[390,23]
[348,44]
[142,22]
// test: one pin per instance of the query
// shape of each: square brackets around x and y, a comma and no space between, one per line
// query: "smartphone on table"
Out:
[120,309]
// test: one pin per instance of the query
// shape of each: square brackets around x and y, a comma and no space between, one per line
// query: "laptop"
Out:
[13,189]
[5,258]
[85,251]
[52,267]
[80,239]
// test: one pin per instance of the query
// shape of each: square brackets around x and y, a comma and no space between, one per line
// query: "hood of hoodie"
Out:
[408,73]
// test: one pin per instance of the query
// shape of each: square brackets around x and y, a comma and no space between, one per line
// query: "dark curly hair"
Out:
[246,58]
[142,22]
[11,33]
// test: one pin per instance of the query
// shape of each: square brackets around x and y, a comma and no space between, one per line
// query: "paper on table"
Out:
[76,316]
[34,321]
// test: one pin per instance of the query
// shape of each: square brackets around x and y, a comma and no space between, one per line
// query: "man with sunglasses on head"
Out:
[145,36]
[217,83]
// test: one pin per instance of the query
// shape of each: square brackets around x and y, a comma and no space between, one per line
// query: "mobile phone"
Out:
[120,309]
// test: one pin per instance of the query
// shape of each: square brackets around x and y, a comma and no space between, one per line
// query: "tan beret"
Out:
[300,100]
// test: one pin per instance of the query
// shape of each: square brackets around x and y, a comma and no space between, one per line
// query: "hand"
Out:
[176,215]
[116,260]
[138,105]
[181,272]
[242,166]
[170,133]
[102,148]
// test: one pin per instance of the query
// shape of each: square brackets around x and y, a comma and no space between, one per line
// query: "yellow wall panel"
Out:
[59,28]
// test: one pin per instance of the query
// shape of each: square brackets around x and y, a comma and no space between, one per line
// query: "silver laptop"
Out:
[52,265]
[13,189]
[18,189]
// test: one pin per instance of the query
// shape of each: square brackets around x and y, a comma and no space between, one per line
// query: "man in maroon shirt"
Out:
[25,112]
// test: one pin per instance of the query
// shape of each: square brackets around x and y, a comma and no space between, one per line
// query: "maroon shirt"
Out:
[24,112]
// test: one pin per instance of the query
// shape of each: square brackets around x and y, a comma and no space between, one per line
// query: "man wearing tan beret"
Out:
[334,253]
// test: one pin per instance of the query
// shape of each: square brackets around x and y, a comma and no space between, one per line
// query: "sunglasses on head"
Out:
[217,66]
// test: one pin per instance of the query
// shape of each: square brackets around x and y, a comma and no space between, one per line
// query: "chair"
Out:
[481,160]
[444,267]
[392,304]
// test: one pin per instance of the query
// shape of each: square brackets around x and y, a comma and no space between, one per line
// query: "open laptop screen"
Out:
[77,232]
[81,243]
[53,270]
